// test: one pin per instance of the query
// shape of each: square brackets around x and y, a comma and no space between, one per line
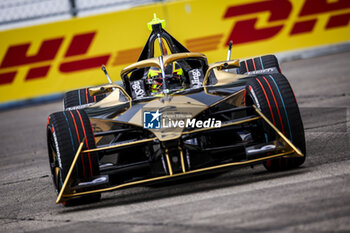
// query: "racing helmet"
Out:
[173,72]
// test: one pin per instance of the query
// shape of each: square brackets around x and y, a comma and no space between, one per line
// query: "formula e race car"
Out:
[173,116]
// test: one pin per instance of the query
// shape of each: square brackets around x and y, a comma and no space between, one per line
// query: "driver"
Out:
[173,74]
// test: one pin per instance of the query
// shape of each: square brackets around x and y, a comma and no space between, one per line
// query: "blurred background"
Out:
[19,13]
[50,46]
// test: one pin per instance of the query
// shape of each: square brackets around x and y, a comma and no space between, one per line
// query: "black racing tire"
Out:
[65,130]
[77,99]
[259,63]
[273,95]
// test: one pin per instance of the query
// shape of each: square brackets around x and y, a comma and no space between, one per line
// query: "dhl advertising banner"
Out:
[56,57]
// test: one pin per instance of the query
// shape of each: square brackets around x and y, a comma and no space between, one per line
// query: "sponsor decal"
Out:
[17,55]
[58,149]
[196,77]
[79,107]
[264,71]
[245,30]
[138,89]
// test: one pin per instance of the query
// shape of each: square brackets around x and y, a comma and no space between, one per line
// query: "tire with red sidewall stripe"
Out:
[77,99]
[273,95]
[259,63]
[65,132]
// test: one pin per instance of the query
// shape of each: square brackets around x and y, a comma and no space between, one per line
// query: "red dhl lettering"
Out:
[244,31]
[80,44]
[313,7]
[16,55]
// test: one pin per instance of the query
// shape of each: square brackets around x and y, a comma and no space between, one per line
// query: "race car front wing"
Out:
[100,183]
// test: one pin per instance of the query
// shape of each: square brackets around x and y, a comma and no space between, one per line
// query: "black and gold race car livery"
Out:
[173,116]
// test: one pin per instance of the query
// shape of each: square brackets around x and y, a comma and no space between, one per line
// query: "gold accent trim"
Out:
[119,145]
[125,93]
[178,174]
[141,64]
[58,200]
[233,123]
[177,56]
[168,162]
[220,66]
[155,61]
[109,88]
[182,160]
[279,132]
[98,90]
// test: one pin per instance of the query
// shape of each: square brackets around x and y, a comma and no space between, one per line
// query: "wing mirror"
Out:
[220,66]
[109,88]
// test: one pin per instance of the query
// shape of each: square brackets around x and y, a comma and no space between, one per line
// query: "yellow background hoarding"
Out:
[56,57]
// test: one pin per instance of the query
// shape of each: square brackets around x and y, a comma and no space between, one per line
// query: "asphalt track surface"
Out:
[312,198]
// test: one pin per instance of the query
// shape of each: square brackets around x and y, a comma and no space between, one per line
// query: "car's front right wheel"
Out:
[78,99]
[274,97]
[259,63]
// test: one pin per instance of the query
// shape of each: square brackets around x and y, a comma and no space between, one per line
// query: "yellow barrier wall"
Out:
[52,58]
